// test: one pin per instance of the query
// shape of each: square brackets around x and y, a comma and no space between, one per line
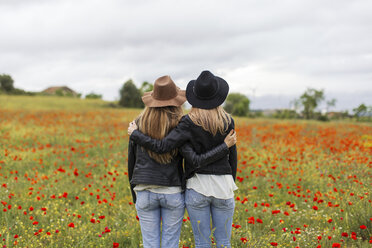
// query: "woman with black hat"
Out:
[209,189]
[156,179]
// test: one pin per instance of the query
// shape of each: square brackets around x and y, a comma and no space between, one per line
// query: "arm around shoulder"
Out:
[178,136]
[199,160]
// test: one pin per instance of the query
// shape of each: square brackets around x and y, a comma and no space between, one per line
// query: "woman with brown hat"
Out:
[210,189]
[156,179]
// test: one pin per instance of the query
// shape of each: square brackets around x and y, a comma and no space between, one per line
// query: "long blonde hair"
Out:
[211,120]
[157,122]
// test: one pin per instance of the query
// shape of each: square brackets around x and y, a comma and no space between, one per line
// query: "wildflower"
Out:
[251,220]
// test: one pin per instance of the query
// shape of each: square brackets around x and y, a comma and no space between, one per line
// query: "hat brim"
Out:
[149,101]
[217,100]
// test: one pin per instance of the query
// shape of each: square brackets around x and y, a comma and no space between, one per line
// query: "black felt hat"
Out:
[207,91]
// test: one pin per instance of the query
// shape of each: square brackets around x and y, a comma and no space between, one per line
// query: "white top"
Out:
[158,189]
[218,186]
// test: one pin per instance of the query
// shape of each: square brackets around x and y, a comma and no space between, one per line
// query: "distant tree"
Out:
[6,83]
[360,110]
[285,114]
[130,96]
[309,101]
[93,96]
[331,103]
[145,87]
[16,91]
[237,104]
[255,114]
[345,114]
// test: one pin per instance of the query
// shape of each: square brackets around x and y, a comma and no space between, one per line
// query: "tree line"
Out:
[7,87]
[304,107]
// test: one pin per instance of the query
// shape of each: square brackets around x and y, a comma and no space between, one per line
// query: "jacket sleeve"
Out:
[200,160]
[233,158]
[177,137]
[131,163]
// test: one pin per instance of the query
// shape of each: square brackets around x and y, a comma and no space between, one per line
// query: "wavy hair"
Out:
[211,120]
[157,122]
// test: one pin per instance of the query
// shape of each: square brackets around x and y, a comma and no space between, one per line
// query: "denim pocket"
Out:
[143,200]
[195,199]
[224,203]
[173,201]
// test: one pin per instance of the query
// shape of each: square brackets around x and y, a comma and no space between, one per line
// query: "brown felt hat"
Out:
[165,93]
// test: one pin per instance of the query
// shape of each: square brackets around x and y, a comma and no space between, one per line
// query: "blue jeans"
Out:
[200,209]
[153,208]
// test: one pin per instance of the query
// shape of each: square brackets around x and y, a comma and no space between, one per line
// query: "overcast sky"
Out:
[267,49]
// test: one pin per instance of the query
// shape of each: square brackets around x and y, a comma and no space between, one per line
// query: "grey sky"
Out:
[262,48]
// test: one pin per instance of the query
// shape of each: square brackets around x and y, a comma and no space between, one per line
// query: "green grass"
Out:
[50,103]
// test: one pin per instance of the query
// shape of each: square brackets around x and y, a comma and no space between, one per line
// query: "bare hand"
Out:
[132,127]
[230,139]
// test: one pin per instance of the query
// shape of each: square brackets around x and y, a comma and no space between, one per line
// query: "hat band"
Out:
[206,97]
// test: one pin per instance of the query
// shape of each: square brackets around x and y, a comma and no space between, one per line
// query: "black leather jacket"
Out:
[201,140]
[142,169]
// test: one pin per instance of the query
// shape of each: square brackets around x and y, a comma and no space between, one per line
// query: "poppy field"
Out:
[64,180]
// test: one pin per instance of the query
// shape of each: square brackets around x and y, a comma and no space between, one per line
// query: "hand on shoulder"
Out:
[132,126]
